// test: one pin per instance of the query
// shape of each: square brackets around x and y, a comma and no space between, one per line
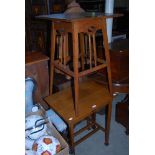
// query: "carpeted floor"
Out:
[118,141]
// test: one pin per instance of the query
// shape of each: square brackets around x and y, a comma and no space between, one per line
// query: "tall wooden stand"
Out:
[85,98]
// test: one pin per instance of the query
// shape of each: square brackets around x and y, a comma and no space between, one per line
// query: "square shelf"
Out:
[92,97]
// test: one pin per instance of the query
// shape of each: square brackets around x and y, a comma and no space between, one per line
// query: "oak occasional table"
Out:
[83,99]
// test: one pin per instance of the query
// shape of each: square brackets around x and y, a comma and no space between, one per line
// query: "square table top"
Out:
[77,16]
[93,96]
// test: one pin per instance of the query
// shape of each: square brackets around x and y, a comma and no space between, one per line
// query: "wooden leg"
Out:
[82,49]
[107,54]
[94,49]
[86,47]
[94,120]
[71,139]
[107,121]
[90,51]
[61,48]
[88,122]
[65,49]
[76,72]
[53,35]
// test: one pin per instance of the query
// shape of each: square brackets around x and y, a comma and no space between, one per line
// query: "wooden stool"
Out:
[85,98]
[92,98]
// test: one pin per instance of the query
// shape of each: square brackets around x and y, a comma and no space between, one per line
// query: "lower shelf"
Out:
[92,97]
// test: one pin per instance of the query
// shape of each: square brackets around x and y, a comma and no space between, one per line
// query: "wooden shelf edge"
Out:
[92,97]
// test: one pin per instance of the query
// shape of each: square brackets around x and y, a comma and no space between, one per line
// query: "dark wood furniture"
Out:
[120,76]
[92,5]
[36,66]
[58,6]
[119,56]
[119,61]
[35,30]
[85,98]
[122,113]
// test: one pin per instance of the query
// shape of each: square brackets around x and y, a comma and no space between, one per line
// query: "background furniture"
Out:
[92,5]
[119,55]
[119,60]
[122,113]
[35,30]
[36,66]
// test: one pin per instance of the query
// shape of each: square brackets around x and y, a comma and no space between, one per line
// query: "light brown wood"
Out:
[63,68]
[61,48]
[107,54]
[65,49]
[90,102]
[84,99]
[82,46]
[90,50]
[94,48]
[52,54]
[88,71]
[91,95]
[75,65]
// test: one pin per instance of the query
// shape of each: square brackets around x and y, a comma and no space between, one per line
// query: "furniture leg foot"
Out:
[106,143]
[72,151]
